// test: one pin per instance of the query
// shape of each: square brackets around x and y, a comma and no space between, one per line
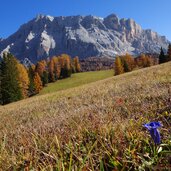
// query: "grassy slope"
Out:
[77,80]
[93,126]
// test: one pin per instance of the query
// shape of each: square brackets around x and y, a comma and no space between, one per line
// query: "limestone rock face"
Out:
[82,36]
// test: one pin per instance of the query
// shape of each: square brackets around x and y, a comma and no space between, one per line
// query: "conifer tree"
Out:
[162,57]
[10,87]
[125,66]
[37,83]
[169,53]
[118,67]
[45,78]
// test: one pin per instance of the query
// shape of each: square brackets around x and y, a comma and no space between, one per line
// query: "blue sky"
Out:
[154,14]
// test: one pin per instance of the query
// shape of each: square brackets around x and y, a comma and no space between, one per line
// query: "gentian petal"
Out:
[154,132]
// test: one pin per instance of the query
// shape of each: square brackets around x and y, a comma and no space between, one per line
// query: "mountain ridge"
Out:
[83,36]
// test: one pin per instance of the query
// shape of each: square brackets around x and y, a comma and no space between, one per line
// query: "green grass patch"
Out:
[77,80]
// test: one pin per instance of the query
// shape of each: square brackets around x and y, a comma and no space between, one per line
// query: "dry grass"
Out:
[92,127]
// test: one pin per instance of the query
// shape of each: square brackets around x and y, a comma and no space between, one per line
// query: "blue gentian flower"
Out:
[154,132]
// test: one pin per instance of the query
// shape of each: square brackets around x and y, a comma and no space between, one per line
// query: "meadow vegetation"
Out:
[97,126]
[77,79]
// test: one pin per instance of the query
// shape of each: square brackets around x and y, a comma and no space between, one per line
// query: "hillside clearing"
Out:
[77,80]
[96,126]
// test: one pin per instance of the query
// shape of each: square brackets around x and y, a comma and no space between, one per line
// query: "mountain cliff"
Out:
[82,36]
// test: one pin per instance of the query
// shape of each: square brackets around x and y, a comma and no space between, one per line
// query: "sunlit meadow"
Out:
[97,126]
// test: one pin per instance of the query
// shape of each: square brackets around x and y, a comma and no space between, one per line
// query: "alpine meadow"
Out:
[94,126]
[85,85]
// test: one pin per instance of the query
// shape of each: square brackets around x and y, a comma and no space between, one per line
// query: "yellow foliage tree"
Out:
[37,82]
[41,67]
[65,63]
[23,80]
[77,64]
[57,67]
[145,61]
[118,67]
[51,68]
[130,61]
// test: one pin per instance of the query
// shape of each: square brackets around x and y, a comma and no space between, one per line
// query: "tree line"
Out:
[127,63]
[19,82]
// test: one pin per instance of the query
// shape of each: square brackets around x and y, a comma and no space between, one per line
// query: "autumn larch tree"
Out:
[145,61]
[51,68]
[37,83]
[61,63]
[118,67]
[149,61]
[57,68]
[40,69]
[10,86]
[77,64]
[67,66]
[128,62]
[23,80]
[65,63]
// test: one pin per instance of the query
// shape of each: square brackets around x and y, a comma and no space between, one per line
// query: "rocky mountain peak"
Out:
[82,36]
[46,17]
[112,22]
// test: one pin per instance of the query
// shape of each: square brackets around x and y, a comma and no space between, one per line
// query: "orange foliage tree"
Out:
[144,61]
[65,63]
[37,83]
[76,64]
[118,67]
[40,67]
[128,63]
[57,68]
[51,68]
[23,80]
